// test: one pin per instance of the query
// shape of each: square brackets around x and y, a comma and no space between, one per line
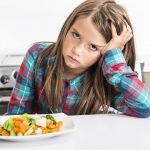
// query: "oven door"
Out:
[3,107]
[4,99]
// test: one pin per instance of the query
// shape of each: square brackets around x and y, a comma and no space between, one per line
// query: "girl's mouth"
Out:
[72,59]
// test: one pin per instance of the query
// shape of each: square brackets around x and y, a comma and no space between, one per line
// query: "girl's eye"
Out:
[92,47]
[76,35]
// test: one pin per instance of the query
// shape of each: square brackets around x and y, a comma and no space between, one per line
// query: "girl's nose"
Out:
[78,49]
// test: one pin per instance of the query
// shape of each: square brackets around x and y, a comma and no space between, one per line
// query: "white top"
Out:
[95,132]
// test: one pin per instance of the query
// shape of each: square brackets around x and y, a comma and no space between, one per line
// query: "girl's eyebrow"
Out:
[89,42]
[75,30]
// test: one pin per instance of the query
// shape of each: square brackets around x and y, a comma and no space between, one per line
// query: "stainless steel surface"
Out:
[9,67]
[139,65]
[8,76]
[4,98]
[11,60]
[3,107]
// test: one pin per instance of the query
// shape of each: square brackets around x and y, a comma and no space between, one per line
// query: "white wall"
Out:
[139,12]
[23,22]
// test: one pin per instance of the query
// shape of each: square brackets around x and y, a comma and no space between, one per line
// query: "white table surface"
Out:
[95,132]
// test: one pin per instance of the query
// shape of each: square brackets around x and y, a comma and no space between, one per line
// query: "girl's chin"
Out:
[70,64]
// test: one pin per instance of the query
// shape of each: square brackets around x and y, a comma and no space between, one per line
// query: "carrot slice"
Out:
[60,123]
[51,123]
[52,126]
[17,124]
[15,129]
[24,126]
[44,131]
[5,133]
[57,129]
[18,119]
[54,130]
[1,129]
[21,131]
[33,133]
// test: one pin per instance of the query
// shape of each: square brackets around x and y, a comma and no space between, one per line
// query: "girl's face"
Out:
[82,46]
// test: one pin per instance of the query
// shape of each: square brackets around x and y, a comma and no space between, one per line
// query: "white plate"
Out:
[68,125]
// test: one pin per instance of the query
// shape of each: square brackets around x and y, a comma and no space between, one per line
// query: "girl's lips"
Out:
[72,59]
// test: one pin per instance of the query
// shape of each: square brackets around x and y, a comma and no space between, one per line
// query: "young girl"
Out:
[89,68]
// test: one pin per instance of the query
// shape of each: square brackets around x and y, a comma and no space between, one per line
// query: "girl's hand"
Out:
[118,41]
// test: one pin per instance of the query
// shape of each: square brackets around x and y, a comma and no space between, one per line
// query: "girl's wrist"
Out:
[103,51]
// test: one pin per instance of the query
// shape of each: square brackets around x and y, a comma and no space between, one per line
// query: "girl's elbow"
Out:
[139,113]
[144,113]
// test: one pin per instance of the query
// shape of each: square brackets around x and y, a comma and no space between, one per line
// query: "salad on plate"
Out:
[25,125]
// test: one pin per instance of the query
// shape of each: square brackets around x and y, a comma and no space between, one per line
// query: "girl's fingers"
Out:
[127,32]
[126,29]
[113,29]
[118,41]
[128,37]
[104,49]
[127,26]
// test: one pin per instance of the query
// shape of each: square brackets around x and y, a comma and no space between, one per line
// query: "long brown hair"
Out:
[95,91]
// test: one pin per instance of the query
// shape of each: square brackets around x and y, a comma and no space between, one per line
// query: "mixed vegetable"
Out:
[25,125]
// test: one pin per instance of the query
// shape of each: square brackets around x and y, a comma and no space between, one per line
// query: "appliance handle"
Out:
[5,99]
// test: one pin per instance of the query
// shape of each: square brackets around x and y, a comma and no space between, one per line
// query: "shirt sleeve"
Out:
[23,91]
[133,97]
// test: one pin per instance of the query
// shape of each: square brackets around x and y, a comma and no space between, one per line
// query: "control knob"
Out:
[14,75]
[4,79]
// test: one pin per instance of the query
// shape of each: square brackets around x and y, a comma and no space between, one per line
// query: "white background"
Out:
[23,22]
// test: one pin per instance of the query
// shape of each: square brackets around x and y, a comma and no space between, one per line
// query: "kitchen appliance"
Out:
[139,66]
[9,66]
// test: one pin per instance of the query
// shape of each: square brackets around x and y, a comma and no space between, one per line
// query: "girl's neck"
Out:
[72,73]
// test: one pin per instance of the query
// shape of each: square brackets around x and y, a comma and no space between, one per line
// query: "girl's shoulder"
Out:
[37,47]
